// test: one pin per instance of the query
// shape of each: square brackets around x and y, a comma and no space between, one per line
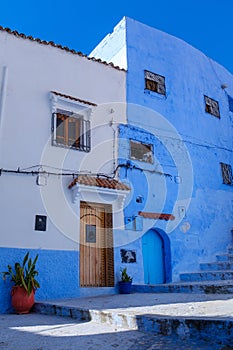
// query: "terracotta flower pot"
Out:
[20,301]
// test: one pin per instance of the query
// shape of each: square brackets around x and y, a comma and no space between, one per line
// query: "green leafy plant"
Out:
[24,275]
[124,275]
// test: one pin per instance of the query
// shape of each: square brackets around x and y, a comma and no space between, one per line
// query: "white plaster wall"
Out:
[25,135]
[113,47]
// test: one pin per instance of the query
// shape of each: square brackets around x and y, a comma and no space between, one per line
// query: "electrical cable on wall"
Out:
[73,173]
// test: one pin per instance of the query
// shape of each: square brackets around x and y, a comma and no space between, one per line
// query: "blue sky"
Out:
[80,25]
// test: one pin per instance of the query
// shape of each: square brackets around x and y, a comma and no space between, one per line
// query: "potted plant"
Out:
[25,284]
[125,282]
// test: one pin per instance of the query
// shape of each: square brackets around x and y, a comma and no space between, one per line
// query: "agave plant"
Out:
[124,275]
[24,275]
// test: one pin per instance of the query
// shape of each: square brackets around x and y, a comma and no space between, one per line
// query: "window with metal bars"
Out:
[226,174]
[71,131]
[155,82]
[211,106]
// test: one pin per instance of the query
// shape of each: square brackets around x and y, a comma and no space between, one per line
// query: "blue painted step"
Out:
[224,257]
[209,328]
[230,250]
[223,265]
[207,287]
[207,276]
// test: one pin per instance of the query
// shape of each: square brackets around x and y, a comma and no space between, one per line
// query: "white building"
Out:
[59,112]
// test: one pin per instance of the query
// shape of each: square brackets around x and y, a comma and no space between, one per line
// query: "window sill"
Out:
[60,145]
[154,94]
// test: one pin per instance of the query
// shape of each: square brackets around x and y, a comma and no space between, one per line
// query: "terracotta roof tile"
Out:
[51,43]
[99,182]
[74,98]
[159,216]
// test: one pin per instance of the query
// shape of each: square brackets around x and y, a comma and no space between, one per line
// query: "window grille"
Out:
[230,101]
[211,106]
[226,174]
[71,131]
[155,82]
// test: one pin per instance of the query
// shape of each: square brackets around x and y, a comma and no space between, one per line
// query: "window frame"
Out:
[82,132]
[151,161]
[227,175]
[72,111]
[209,108]
[157,80]
[230,103]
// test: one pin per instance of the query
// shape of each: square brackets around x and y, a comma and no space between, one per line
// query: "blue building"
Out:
[175,151]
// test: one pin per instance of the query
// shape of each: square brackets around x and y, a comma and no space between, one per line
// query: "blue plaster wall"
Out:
[144,177]
[189,75]
[179,121]
[58,274]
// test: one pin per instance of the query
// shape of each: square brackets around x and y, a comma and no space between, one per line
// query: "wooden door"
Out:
[96,245]
[153,258]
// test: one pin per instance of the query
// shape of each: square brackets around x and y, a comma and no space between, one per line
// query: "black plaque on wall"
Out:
[128,256]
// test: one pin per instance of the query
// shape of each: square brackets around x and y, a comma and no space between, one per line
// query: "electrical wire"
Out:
[74,173]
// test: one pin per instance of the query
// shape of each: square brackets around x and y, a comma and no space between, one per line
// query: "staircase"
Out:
[219,270]
[212,278]
[179,315]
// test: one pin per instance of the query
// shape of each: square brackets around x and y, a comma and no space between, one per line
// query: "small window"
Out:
[211,106]
[141,151]
[155,82]
[230,101]
[226,174]
[71,131]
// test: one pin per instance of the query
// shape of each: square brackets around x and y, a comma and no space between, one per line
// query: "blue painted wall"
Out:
[188,142]
[58,275]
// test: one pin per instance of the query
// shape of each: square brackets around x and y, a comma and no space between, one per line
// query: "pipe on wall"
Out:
[3,92]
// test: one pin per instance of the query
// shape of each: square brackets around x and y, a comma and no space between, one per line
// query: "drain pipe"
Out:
[3,93]
[2,99]
[114,150]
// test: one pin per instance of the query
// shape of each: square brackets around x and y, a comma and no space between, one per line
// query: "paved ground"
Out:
[46,332]
[43,332]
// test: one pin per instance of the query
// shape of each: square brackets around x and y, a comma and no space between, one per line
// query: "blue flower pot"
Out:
[125,287]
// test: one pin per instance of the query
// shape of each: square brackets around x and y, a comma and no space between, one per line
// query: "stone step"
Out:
[224,257]
[207,287]
[221,265]
[207,276]
[221,328]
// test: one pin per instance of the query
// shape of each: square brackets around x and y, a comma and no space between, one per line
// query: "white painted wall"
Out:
[113,47]
[33,70]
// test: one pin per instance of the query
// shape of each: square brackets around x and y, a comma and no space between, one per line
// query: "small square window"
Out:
[141,151]
[226,174]
[230,101]
[211,106]
[71,131]
[155,82]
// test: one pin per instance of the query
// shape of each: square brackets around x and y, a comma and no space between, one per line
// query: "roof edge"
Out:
[58,46]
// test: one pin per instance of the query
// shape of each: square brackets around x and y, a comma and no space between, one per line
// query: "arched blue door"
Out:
[153,257]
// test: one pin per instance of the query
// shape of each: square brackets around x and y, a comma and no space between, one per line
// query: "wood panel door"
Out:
[96,245]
